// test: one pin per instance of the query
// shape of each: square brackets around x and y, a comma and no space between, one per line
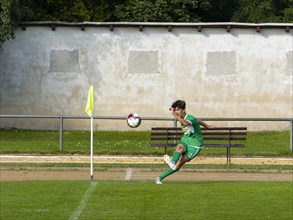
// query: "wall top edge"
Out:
[158,24]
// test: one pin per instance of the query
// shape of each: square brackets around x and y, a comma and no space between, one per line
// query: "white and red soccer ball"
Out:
[133,120]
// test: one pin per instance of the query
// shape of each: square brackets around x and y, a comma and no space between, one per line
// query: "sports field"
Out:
[128,192]
[48,186]
[144,200]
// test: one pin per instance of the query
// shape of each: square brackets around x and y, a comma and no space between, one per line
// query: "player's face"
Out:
[180,112]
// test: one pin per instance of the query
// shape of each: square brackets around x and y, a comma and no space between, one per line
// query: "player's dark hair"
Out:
[179,104]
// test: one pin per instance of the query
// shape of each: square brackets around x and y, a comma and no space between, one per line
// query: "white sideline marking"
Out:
[83,202]
[128,174]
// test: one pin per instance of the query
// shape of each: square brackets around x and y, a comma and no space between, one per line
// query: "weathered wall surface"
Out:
[238,74]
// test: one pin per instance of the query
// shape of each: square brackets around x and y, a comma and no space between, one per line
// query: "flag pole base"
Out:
[92,178]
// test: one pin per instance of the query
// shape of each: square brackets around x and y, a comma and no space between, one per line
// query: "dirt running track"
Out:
[144,174]
[140,174]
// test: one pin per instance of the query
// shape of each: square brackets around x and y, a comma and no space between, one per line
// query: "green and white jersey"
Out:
[192,133]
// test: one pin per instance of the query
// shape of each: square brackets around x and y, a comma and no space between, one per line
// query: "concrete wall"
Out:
[220,74]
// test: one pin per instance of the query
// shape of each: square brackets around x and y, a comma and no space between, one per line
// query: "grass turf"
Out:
[145,200]
[265,143]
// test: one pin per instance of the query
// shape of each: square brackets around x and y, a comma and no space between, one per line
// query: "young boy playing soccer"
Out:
[189,145]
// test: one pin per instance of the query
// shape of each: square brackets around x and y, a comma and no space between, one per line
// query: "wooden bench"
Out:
[217,137]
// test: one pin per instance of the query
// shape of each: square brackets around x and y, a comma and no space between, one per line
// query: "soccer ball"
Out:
[133,120]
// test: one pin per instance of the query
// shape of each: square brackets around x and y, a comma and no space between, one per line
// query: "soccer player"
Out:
[189,145]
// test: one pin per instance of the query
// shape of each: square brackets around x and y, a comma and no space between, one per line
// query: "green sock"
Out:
[167,173]
[176,156]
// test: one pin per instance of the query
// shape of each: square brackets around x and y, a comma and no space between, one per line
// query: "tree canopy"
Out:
[272,11]
[247,11]
[12,12]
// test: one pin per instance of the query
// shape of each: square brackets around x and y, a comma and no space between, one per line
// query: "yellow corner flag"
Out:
[90,101]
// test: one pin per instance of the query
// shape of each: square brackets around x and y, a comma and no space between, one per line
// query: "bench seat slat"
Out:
[166,128]
[225,138]
[225,128]
[203,129]
[164,138]
[165,133]
[223,133]
[205,145]
[162,145]
[203,133]
[168,138]
[223,145]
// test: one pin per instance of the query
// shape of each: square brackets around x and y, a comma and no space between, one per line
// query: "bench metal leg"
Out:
[228,155]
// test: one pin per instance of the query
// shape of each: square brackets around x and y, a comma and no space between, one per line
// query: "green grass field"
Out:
[266,143]
[131,200]
[145,200]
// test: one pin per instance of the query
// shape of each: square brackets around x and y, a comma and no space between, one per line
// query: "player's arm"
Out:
[181,120]
[205,124]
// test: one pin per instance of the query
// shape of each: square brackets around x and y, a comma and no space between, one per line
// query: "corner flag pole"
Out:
[89,109]
[92,145]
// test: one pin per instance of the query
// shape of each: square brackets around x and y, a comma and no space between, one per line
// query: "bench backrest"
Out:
[216,137]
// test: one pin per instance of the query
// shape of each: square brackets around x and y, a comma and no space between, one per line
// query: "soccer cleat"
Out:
[158,181]
[170,163]
[167,159]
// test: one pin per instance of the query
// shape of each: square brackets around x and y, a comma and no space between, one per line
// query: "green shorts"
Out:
[191,151]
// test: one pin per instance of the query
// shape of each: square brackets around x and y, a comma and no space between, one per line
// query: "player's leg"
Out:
[181,161]
[180,149]
[179,152]
[190,153]
[167,173]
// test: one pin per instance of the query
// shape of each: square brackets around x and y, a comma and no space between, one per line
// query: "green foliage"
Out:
[255,11]
[161,10]
[12,12]
[264,11]
[284,10]
[288,15]
[6,29]
[220,11]
[61,10]
[145,200]
[72,11]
